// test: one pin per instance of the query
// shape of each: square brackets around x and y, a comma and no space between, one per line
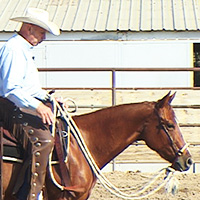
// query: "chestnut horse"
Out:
[107,133]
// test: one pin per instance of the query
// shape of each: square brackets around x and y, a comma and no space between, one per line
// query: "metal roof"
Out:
[109,15]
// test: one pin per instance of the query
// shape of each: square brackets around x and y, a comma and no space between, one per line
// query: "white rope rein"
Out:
[103,180]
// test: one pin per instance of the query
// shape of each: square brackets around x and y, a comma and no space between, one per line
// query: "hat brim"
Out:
[49,26]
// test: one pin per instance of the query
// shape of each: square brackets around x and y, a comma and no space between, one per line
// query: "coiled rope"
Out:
[103,180]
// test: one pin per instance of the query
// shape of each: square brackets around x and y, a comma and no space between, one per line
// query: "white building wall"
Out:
[114,53]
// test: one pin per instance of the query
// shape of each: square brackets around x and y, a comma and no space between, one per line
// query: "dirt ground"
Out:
[188,187]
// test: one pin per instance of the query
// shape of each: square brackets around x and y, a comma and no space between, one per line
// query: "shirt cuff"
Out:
[34,104]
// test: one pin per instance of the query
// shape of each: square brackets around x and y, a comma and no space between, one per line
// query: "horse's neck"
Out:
[109,131]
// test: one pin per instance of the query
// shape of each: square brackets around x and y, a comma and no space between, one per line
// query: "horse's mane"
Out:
[120,107]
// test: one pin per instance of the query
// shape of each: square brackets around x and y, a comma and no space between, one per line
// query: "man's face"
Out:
[36,34]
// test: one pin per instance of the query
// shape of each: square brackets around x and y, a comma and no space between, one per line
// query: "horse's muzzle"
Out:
[182,163]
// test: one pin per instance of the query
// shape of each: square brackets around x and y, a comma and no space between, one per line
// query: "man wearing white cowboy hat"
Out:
[22,101]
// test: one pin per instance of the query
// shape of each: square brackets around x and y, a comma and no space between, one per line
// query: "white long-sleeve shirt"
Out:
[19,80]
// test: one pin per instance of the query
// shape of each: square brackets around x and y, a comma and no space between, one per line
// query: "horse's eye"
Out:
[170,126]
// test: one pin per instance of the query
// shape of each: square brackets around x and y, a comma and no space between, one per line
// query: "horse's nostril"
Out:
[189,162]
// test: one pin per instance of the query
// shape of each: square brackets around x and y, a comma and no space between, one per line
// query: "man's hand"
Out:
[45,113]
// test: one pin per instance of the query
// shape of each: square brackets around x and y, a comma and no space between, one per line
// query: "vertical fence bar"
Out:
[113,87]
[1,161]
[113,103]
[194,167]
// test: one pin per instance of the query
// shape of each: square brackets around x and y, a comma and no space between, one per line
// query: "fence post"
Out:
[1,161]
[113,103]
[113,87]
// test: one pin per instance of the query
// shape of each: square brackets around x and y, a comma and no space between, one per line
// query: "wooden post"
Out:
[1,161]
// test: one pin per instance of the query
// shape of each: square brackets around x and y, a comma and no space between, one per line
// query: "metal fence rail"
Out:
[114,70]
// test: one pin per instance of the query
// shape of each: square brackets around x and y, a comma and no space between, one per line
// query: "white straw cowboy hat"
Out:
[40,18]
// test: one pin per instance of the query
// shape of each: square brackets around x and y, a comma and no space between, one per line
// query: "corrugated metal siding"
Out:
[109,15]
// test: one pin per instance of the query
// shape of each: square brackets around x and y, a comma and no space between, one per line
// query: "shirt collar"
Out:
[24,42]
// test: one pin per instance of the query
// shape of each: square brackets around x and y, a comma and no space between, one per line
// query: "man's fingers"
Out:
[46,114]
[50,119]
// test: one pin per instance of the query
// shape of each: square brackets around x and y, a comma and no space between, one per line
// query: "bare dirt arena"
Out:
[188,186]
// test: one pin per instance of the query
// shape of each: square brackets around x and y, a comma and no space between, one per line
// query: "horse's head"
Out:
[163,135]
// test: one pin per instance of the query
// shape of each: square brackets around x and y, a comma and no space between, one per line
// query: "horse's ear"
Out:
[167,99]
[172,97]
